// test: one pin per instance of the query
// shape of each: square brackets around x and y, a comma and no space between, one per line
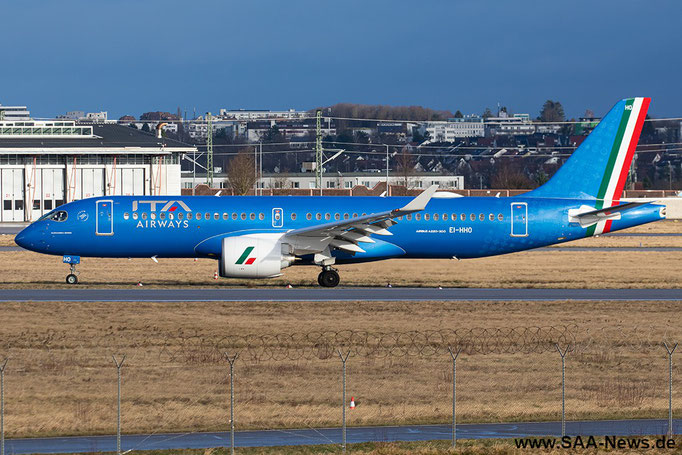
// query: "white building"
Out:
[516,124]
[289,128]
[44,164]
[455,128]
[14,113]
[99,117]
[306,180]
[263,114]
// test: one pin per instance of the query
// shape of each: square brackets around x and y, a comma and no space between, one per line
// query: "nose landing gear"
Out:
[328,277]
[72,278]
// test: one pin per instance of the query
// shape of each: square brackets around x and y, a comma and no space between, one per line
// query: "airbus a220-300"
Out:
[257,237]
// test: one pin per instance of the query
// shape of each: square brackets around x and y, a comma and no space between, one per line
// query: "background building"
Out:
[44,164]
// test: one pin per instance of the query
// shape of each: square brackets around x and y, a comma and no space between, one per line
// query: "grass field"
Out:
[61,378]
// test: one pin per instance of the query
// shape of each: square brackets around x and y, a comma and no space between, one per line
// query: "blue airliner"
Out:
[257,237]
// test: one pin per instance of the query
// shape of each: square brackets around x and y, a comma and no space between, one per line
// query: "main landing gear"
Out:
[72,278]
[328,277]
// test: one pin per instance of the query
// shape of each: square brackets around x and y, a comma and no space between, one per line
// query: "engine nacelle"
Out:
[255,256]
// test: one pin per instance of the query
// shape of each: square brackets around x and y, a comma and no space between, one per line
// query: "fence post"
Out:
[118,364]
[454,356]
[343,399]
[563,387]
[231,361]
[670,386]
[3,364]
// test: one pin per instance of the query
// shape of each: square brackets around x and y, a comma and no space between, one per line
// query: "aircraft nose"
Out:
[26,238]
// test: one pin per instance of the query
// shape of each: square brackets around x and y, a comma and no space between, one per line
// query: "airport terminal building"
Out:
[47,163]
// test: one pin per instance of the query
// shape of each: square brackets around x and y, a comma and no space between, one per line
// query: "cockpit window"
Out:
[59,215]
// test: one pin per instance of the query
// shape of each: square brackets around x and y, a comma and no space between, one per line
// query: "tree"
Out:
[405,167]
[240,172]
[487,113]
[145,127]
[510,176]
[552,111]
[459,114]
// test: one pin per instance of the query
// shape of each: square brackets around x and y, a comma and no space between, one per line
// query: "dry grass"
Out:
[61,379]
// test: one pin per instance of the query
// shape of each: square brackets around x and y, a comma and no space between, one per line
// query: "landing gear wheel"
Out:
[71,278]
[328,278]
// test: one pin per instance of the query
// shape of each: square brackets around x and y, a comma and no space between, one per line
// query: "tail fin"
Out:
[598,168]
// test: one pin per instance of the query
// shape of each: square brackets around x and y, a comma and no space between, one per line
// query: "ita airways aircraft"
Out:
[257,237]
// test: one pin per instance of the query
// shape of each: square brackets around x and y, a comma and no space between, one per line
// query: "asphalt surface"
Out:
[277,294]
[267,438]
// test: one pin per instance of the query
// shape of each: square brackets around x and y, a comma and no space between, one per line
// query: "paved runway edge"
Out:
[310,436]
[334,295]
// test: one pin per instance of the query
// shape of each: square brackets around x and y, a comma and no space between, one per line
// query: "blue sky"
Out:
[132,56]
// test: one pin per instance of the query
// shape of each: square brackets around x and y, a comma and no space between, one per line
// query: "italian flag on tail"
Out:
[620,158]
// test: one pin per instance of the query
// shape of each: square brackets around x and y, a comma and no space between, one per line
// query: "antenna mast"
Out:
[209,150]
[318,151]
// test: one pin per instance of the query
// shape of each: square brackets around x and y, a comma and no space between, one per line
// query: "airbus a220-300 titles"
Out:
[257,237]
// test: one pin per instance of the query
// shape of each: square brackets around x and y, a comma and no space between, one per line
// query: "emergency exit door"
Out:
[104,222]
[519,219]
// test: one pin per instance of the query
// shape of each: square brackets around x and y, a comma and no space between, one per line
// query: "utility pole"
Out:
[343,358]
[563,387]
[454,356]
[318,151]
[209,150]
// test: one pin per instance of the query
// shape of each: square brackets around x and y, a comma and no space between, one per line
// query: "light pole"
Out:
[454,356]
[670,386]
[231,361]
[388,188]
[2,406]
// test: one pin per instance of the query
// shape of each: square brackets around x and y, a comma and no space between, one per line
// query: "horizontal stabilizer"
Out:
[587,216]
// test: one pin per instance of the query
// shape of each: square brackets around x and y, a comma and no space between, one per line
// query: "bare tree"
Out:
[405,167]
[240,172]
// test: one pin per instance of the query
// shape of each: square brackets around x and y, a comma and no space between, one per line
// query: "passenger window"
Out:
[435,217]
[327,216]
[152,215]
[134,215]
[162,215]
[243,216]
[463,217]
[293,216]
[337,216]
[427,217]
[216,216]
[198,216]
[346,216]
[308,216]
[261,216]
[181,216]
[318,216]
[126,216]
[252,216]
[355,215]
[207,216]
[492,217]
[481,216]
[418,216]
[226,216]
[500,217]
[409,217]
[445,216]
[234,215]
[472,217]
[144,215]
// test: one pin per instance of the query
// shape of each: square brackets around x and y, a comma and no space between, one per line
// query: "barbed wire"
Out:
[49,348]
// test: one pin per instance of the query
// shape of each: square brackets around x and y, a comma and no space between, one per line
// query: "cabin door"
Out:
[519,219]
[104,223]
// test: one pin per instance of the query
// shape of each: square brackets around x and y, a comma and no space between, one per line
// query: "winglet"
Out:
[419,203]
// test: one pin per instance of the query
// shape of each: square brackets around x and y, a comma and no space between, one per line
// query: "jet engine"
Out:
[255,256]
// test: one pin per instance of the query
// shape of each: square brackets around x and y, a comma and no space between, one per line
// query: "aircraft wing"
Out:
[594,216]
[347,234]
